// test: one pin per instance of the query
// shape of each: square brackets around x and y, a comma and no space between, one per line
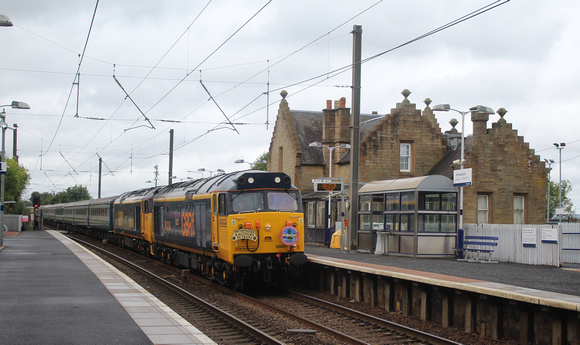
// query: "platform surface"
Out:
[546,285]
[52,291]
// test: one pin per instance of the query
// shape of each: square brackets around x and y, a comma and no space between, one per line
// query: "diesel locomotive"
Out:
[234,228]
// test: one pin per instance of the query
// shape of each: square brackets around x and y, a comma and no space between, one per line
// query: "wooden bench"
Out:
[480,247]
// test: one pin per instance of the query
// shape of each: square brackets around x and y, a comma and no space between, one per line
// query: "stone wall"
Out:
[284,153]
[504,166]
[380,149]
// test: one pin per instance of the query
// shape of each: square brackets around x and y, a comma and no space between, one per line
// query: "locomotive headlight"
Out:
[268,227]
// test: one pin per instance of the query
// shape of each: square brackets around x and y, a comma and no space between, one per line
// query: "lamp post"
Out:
[560,147]
[5,21]
[330,149]
[15,105]
[480,109]
[253,166]
[549,161]
[240,161]
[200,171]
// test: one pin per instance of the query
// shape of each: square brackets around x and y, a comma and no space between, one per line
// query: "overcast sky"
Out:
[191,65]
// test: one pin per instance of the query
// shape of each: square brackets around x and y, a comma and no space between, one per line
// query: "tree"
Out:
[261,163]
[15,182]
[77,193]
[71,194]
[555,198]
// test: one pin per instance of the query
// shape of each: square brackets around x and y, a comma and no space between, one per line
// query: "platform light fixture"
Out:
[5,21]
[549,162]
[14,105]
[560,147]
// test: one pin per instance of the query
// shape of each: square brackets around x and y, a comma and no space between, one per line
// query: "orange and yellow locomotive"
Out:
[234,228]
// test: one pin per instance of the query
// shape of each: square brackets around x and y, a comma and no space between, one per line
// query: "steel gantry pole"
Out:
[352,227]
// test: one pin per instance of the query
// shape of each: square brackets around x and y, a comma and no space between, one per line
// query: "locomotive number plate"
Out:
[244,234]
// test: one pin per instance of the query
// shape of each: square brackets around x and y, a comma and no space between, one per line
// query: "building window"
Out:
[311,214]
[392,201]
[518,209]
[320,214]
[405,165]
[407,201]
[482,209]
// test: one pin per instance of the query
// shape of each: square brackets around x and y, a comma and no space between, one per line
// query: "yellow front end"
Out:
[260,233]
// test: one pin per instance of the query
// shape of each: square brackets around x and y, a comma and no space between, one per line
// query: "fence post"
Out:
[460,243]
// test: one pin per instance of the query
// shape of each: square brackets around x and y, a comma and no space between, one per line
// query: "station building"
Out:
[509,179]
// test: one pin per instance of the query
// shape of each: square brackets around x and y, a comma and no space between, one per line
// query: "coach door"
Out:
[215,237]
[219,219]
[147,219]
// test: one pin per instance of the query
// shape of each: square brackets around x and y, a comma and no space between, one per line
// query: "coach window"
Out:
[148,206]
[137,217]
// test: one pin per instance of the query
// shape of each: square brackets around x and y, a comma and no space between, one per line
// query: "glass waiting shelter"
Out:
[412,217]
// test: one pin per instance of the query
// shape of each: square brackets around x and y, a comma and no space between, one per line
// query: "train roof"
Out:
[237,180]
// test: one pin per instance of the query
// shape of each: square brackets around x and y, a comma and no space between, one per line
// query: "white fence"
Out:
[570,243]
[538,244]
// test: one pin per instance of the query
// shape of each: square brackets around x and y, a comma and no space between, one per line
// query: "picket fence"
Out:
[515,242]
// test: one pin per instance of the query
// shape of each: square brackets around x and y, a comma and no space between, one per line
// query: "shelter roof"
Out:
[421,183]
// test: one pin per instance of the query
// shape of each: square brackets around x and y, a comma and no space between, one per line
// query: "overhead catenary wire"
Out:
[211,54]
[338,71]
[132,101]
[76,75]
[328,75]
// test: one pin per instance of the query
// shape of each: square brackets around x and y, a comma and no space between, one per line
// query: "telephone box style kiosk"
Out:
[412,217]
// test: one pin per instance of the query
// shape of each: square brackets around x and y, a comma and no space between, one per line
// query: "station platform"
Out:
[53,291]
[546,285]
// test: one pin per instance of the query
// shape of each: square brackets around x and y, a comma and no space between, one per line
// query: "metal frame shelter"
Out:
[412,217]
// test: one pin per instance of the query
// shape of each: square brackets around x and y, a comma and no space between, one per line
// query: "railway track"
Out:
[348,324]
[314,320]
[219,325]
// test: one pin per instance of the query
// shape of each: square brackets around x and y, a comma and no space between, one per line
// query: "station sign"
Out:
[328,184]
[462,177]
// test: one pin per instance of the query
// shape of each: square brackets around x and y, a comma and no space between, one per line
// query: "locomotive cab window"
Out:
[282,201]
[272,200]
[247,202]
[222,205]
